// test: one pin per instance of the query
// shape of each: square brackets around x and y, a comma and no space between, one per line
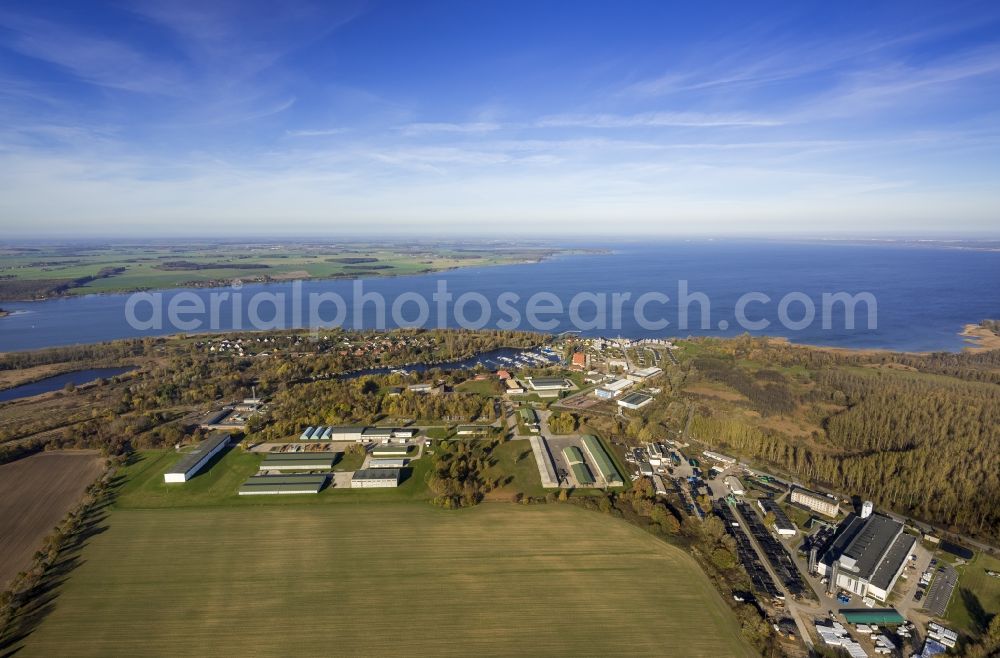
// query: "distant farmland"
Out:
[35,493]
[383,579]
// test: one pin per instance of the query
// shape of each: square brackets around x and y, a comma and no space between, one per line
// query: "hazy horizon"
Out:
[264,119]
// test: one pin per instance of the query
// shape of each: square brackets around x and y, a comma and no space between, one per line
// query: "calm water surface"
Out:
[924,295]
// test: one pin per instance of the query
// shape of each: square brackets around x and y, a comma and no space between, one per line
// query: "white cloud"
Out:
[475,127]
[656,120]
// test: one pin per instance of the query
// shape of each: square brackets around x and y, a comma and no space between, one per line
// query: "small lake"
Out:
[57,382]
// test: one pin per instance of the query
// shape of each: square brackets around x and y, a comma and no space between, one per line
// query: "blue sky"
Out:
[499,118]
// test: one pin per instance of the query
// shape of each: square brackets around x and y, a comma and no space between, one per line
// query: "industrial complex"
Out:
[866,556]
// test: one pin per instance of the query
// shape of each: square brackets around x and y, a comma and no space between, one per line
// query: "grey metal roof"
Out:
[188,461]
[300,456]
[781,520]
[387,463]
[347,429]
[889,566]
[283,483]
[376,474]
[867,542]
[267,480]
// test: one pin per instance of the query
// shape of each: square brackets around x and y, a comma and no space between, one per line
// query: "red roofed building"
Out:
[503,374]
[579,360]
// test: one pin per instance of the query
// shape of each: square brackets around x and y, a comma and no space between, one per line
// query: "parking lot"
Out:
[941,589]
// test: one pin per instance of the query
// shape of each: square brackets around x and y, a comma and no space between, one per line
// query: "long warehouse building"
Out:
[189,465]
[298,461]
[375,478]
[258,485]
[543,460]
[599,457]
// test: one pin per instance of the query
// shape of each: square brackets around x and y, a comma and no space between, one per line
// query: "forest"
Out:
[918,434]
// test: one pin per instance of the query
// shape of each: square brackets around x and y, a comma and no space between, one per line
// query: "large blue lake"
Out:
[923,296]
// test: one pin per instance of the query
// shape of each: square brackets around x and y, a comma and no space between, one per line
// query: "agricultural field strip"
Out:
[502,579]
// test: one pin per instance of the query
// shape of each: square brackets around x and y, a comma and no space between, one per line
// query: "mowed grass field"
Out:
[35,494]
[382,579]
[977,596]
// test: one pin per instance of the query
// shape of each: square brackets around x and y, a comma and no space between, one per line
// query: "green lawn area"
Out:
[439,432]
[977,596]
[217,485]
[497,579]
[486,387]
[524,470]
[796,515]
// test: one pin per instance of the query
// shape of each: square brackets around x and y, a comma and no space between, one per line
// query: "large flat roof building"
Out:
[549,383]
[375,478]
[867,555]
[635,401]
[391,450]
[387,463]
[188,465]
[644,373]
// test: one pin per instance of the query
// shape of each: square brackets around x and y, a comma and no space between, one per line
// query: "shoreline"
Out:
[984,340]
[980,338]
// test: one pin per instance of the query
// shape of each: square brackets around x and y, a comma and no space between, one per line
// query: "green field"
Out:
[57,269]
[382,579]
[977,596]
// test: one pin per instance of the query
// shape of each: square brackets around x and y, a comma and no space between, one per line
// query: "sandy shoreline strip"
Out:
[981,338]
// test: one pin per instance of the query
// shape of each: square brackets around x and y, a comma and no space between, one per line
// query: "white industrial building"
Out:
[735,485]
[375,478]
[391,450]
[613,389]
[188,465]
[644,373]
[823,504]
[866,556]
[387,463]
[719,457]
[472,430]
[635,401]
[346,432]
